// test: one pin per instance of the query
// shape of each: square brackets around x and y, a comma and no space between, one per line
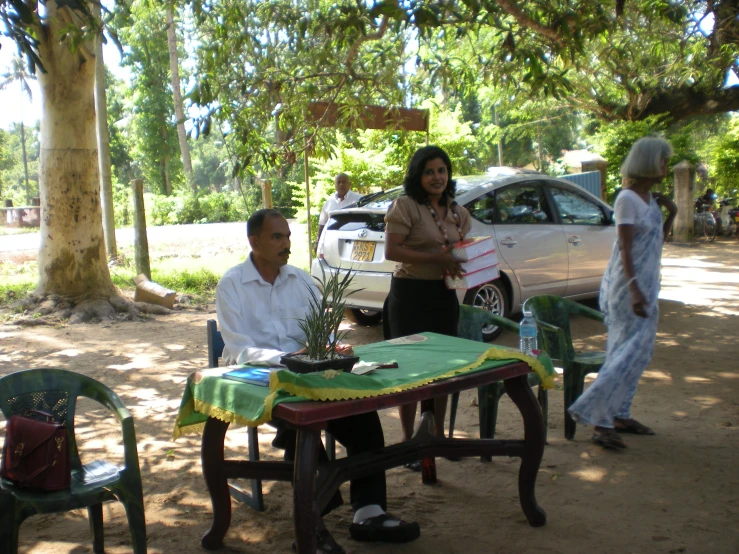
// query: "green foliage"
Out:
[690,139]
[724,159]
[211,164]
[118,113]
[17,280]
[321,324]
[12,175]
[614,140]
[200,281]
[153,141]
[377,160]
[183,208]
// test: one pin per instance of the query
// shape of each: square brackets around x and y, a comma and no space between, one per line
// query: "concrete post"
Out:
[141,243]
[266,193]
[684,228]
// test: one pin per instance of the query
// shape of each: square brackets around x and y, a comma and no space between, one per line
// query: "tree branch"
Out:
[525,21]
[689,101]
[354,49]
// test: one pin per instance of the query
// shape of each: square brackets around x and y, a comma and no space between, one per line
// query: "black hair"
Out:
[412,181]
[256,221]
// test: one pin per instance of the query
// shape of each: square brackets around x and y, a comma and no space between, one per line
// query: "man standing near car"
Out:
[259,304]
[343,197]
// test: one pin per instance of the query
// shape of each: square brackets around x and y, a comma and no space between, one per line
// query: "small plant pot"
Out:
[300,363]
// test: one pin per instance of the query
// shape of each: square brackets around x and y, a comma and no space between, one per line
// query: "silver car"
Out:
[552,237]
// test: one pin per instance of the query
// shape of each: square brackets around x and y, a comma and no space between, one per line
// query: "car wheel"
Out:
[492,297]
[365,317]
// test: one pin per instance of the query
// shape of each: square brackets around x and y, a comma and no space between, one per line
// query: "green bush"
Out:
[185,208]
[222,207]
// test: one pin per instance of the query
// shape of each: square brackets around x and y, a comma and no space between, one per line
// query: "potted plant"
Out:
[321,327]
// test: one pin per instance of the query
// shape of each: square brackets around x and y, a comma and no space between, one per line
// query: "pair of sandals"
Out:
[608,437]
[372,529]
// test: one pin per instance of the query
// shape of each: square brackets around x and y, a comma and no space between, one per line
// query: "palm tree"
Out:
[18,73]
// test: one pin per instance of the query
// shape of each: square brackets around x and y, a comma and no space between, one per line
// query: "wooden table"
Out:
[314,483]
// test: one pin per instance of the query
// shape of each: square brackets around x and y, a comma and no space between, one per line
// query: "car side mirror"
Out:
[612,218]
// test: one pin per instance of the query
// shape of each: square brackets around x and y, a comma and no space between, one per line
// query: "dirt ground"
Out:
[672,493]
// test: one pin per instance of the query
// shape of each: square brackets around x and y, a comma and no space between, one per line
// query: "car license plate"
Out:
[736,218]
[363,251]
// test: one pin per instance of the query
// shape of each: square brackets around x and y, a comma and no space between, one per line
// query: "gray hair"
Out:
[645,157]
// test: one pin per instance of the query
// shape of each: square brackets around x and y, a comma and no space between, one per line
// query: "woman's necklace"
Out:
[440,223]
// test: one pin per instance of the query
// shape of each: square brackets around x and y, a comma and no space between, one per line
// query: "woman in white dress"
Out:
[629,295]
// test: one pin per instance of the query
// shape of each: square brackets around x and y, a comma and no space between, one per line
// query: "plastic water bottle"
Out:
[527,334]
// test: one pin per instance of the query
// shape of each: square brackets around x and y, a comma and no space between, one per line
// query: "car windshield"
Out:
[380,200]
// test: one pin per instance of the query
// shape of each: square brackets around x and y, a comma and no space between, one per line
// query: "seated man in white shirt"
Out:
[343,197]
[259,303]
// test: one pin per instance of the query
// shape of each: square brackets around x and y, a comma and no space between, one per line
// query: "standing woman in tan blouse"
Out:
[421,227]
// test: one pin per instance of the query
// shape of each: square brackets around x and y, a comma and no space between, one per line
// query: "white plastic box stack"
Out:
[478,260]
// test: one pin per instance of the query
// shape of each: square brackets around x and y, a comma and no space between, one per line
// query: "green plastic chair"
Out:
[552,315]
[471,322]
[56,391]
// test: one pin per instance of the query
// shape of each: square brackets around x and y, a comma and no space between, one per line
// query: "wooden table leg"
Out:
[304,487]
[211,455]
[519,391]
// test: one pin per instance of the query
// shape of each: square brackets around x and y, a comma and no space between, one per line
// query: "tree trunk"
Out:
[103,143]
[72,258]
[179,111]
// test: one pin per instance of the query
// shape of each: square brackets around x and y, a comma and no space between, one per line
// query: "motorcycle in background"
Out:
[703,219]
[724,219]
[734,216]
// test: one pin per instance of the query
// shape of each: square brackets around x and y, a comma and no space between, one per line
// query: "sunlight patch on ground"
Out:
[706,401]
[699,283]
[727,375]
[50,342]
[688,262]
[657,375]
[693,379]
[174,347]
[138,361]
[70,352]
[590,474]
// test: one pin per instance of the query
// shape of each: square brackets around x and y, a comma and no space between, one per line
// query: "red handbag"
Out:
[36,452]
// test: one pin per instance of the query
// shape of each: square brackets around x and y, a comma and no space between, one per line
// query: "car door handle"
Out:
[508,241]
[574,239]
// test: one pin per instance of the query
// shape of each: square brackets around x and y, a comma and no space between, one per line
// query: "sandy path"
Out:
[675,492]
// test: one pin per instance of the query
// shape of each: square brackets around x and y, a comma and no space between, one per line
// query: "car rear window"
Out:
[380,200]
[356,221]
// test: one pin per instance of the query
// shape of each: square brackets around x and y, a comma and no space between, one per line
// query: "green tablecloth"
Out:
[432,358]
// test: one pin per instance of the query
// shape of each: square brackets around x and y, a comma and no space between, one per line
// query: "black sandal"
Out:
[631,426]
[608,438]
[373,529]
